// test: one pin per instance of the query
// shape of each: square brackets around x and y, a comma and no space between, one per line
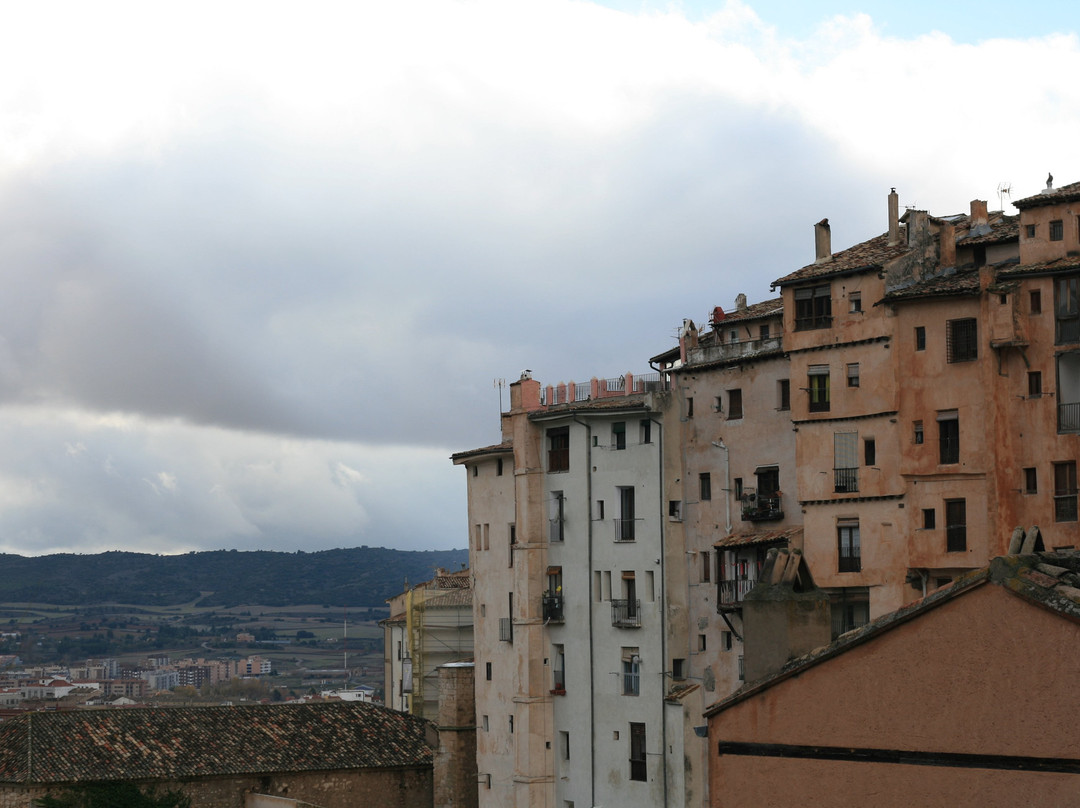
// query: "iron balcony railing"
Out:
[762,509]
[624,529]
[847,480]
[553,608]
[558,678]
[1069,417]
[506,630]
[626,613]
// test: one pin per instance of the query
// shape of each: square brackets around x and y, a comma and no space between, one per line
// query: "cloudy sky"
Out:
[262,263]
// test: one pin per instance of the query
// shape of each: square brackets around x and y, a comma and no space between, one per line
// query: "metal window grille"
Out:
[962,341]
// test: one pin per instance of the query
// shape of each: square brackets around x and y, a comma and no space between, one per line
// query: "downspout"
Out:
[663,611]
[589,575]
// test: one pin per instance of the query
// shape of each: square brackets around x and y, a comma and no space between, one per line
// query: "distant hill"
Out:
[362,576]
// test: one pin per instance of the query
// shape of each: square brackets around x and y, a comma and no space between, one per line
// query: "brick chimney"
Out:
[894,218]
[947,245]
[978,212]
[918,227]
[822,241]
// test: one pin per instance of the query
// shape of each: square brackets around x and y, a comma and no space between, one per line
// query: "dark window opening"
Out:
[1065,492]
[734,404]
[929,519]
[1031,481]
[784,390]
[869,452]
[813,308]
[819,388]
[962,340]
[559,449]
[1057,230]
[920,338]
[705,486]
[949,437]
[847,533]
[1035,301]
[1034,384]
[618,435]
[955,525]
[638,765]
[1067,309]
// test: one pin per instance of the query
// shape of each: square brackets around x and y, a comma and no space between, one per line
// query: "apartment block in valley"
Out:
[886,423]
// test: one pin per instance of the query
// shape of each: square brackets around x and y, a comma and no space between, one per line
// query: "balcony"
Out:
[553,608]
[555,529]
[1069,417]
[626,613]
[846,481]
[506,630]
[558,681]
[624,529]
[730,594]
[762,509]
[734,350]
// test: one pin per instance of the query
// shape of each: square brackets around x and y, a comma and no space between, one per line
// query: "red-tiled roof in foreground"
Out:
[183,742]
[1066,193]
[756,537]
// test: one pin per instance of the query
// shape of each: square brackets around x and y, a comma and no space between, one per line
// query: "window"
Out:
[813,307]
[718,404]
[737,483]
[705,486]
[1067,309]
[917,436]
[1034,384]
[763,332]
[768,485]
[511,725]
[624,525]
[955,525]
[564,744]
[702,643]
[929,519]
[498,467]
[600,510]
[734,335]
[847,535]
[1057,230]
[920,338]
[706,566]
[869,452]
[557,516]
[1031,481]
[674,509]
[853,374]
[845,462]
[1029,230]
[486,724]
[819,388]
[559,449]
[1035,301]
[631,672]
[638,766]
[962,342]
[512,542]
[618,435]
[850,609]
[475,470]
[1068,391]
[690,408]
[725,641]
[734,404]
[678,669]
[855,302]
[783,394]
[948,437]
[487,671]
[645,431]
[1065,492]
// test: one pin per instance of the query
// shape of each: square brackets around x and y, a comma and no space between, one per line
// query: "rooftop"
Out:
[180,742]
[872,254]
[1050,196]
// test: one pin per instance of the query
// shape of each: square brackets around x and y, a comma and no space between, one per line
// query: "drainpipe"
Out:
[663,608]
[589,571]
[719,444]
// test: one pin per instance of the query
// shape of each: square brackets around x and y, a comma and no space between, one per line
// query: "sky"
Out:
[262,264]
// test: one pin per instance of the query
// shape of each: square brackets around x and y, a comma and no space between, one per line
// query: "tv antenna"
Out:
[500,383]
[1004,189]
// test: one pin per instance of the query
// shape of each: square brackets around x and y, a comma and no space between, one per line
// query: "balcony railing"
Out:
[626,613]
[555,529]
[624,529]
[506,630]
[553,608]
[762,509]
[1069,417]
[847,481]
[558,680]
[732,593]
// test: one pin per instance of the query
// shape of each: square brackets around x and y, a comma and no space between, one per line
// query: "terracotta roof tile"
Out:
[1066,193]
[497,448]
[952,284]
[180,742]
[872,254]
[755,311]
[751,538]
[1067,264]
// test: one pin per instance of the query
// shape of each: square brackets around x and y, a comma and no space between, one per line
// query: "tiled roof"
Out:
[1049,579]
[1066,193]
[872,254]
[182,742]
[497,448]
[1068,264]
[634,401]
[448,600]
[1002,229]
[752,538]
[755,311]
[953,284]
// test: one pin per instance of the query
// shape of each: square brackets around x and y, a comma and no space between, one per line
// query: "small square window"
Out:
[1029,231]
[1034,384]
[674,509]
[1057,230]
[920,338]
[1035,301]
[853,374]
[929,519]
[1031,481]
[678,669]
[763,332]
[855,302]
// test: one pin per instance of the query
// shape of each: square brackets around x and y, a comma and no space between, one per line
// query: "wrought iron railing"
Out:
[729,593]
[1069,417]
[846,480]
[553,608]
[626,613]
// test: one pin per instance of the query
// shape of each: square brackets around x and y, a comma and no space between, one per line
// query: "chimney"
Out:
[894,218]
[740,302]
[822,241]
[978,212]
[784,615]
[947,245]
[918,227]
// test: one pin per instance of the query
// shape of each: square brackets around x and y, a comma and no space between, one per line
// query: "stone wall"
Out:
[455,762]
